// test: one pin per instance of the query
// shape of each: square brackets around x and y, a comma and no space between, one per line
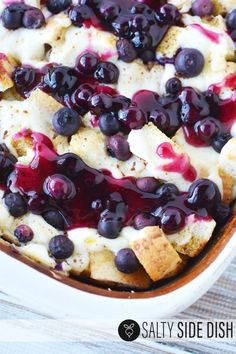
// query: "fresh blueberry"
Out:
[59,187]
[100,103]
[167,192]
[108,124]
[126,50]
[168,15]
[16,204]
[61,80]
[121,27]
[126,261]
[37,204]
[161,119]
[23,77]
[203,193]
[87,63]
[106,73]
[221,213]
[219,141]
[173,86]
[207,129]
[109,10]
[141,8]
[172,220]
[132,118]
[202,8]
[55,219]
[12,16]
[140,23]
[24,233]
[120,102]
[109,225]
[61,247]
[142,41]
[70,164]
[56,6]
[147,184]
[66,122]
[231,20]
[7,163]
[79,100]
[147,56]
[118,147]
[189,62]
[33,18]
[79,14]
[143,220]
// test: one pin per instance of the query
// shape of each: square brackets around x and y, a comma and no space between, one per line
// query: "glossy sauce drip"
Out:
[180,162]
[91,186]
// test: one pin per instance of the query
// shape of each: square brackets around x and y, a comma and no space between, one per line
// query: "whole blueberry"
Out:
[61,247]
[231,20]
[12,16]
[202,8]
[132,118]
[87,63]
[23,77]
[66,121]
[173,86]
[147,56]
[118,147]
[55,218]
[203,193]
[59,187]
[126,50]
[100,103]
[61,80]
[161,119]
[80,13]
[121,27]
[220,141]
[172,220]
[126,261]
[167,192]
[56,6]
[142,41]
[143,220]
[37,203]
[109,225]
[33,18]
[70,164]
[221,213]
[16,204]
[7,163]
[106,73]
[79,100]
[147,184]
[189,62]
[109,124]
[169,14]
[24,233]
[207,129]
[140,23]
[109,10]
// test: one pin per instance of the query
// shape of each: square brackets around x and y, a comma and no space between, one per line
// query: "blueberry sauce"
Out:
[213,36]
[97,193]
[144,23]
[180,162]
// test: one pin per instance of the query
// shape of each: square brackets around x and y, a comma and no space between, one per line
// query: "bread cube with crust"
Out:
[191,240]
[227,170]
[103,269]
[149,143]
[156,254]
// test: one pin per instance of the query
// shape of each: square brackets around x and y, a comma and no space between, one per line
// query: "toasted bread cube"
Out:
[103,269]
[193,238]
[145,143]
[156,254]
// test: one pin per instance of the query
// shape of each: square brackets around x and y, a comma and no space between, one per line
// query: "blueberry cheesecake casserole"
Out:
[117,134]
